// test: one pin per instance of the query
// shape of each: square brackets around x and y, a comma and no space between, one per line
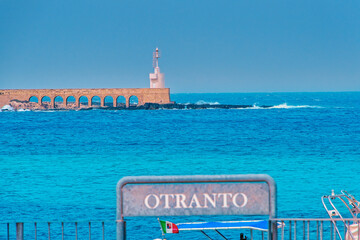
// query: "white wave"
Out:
[7,108]
[23,110]
[202,102]
[281,106]
[255,107]
[44,111]
[245,108]
[285,106]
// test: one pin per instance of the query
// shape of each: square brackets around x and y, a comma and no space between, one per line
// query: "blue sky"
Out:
[206,46]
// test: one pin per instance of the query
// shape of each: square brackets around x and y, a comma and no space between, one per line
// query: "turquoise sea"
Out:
[64,165]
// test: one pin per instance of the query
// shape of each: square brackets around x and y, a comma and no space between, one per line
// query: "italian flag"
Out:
[168,227]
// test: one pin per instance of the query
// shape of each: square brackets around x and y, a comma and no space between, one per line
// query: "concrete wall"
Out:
[144,95]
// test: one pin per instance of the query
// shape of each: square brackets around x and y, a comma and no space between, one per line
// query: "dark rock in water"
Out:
[217,106]
[150,106]
[86,109]
[157,106]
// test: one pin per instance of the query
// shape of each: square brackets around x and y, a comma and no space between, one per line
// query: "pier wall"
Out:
[144,95]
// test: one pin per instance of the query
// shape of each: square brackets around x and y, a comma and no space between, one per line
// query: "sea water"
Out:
[64,165]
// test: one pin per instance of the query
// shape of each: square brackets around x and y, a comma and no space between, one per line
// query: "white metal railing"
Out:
[58,230]
[317,228]
[291,229]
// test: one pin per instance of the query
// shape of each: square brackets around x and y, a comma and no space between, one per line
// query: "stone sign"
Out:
[196,199]
[252,194]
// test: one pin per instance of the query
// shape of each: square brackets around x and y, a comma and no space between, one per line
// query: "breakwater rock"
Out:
[156,106]
[16,105]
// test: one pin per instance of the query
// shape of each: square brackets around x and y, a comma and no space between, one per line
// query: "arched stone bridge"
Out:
[77,98]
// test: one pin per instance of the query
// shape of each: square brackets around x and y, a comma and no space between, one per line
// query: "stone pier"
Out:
[85,98]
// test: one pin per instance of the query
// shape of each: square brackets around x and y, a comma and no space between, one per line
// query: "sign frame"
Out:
[239,178]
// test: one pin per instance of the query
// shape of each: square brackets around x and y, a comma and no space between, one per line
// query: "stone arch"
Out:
[95,101]
[120,101]
[133,101]
[70,102]
[109,101]
[34,99]
[58,102]
[83,101]
[45,101]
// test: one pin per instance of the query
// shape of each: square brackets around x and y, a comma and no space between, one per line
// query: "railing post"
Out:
[103,231]
[76,231]
[49,230]
[19,231]
[274,230]
[8,231]
[321,230]
[89,230]
[121,232]
[317,230]
[270,230]
[62,230]
[308,230]
[304,234]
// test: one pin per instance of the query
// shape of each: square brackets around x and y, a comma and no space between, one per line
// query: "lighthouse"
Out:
[157,79]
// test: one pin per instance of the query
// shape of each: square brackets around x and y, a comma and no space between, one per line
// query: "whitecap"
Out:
[285,106]
[281,106]
[255,107]
[7,108]
[202,102]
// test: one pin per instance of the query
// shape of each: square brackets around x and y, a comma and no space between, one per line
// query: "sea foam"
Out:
[285,106]
[282,106]
[6,108]
[202,102]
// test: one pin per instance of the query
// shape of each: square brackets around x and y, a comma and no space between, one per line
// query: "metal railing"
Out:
[58,230]
[316,228]
[289,228]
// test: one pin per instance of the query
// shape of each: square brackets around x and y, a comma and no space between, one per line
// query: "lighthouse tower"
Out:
[157,79]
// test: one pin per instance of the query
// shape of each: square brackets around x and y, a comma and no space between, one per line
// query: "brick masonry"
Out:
[144,95]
